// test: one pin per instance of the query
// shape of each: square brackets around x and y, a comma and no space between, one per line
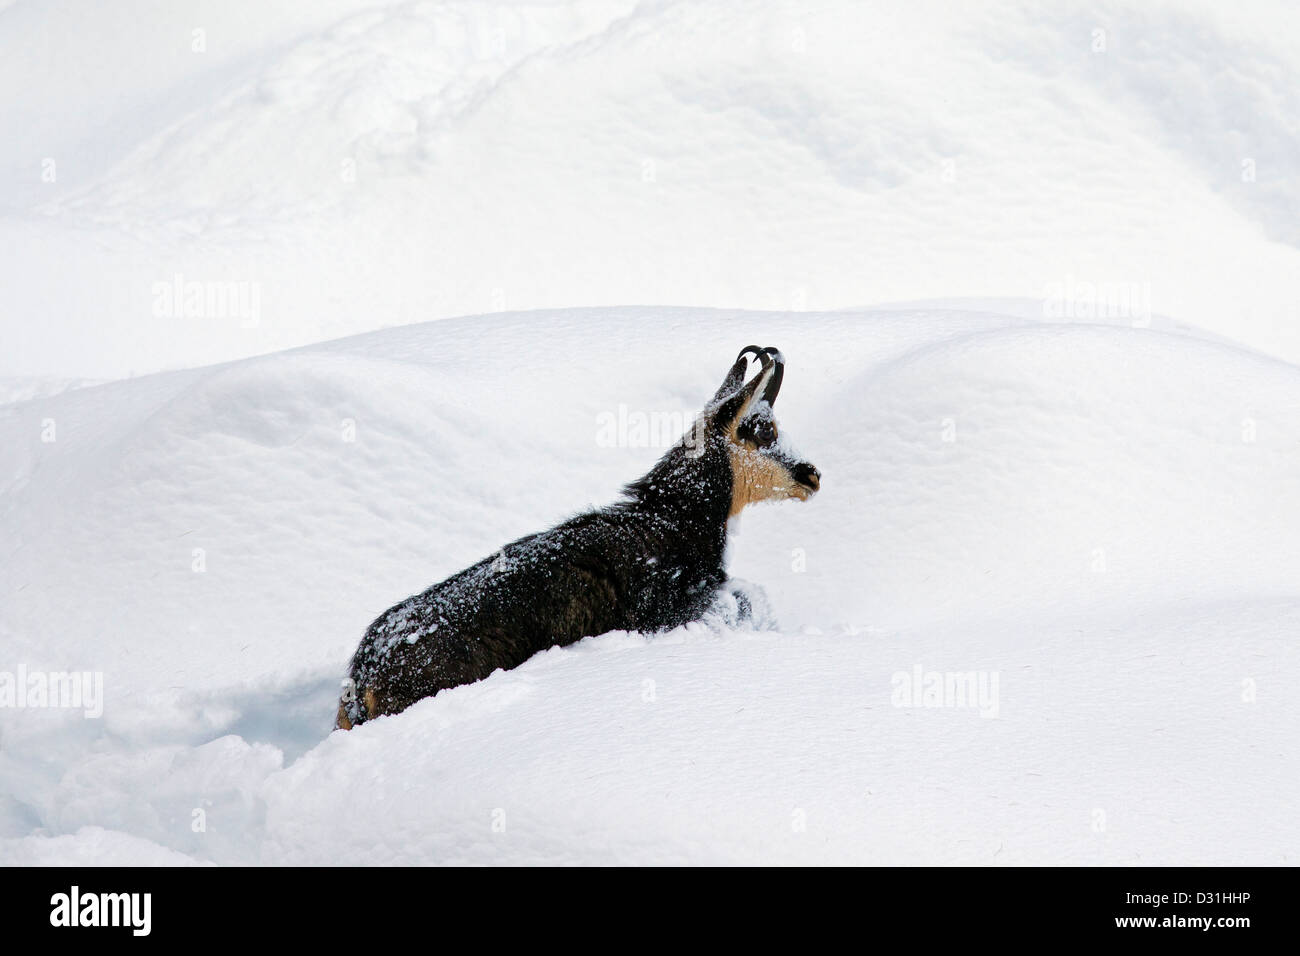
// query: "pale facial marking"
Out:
[759,477]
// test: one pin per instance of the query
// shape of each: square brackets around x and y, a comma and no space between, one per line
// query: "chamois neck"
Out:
[693,492]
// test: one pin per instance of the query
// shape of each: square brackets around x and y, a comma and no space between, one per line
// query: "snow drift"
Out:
[374,163]
[1097,520]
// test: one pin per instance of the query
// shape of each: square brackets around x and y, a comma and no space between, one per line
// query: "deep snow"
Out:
[373,163]
[1100,517]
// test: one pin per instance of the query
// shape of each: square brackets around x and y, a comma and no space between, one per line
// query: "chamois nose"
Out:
[806,474]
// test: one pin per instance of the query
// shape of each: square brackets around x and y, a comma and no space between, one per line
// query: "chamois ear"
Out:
[735,376]
[737,405]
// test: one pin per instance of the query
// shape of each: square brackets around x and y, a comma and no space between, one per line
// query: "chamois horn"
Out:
[736,376]
[774,357]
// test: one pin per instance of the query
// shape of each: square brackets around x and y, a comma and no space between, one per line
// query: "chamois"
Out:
[649,562]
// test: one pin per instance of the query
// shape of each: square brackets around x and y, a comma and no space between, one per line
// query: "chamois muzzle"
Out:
[807,475]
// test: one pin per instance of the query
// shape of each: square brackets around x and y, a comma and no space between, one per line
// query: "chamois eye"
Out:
[764,432]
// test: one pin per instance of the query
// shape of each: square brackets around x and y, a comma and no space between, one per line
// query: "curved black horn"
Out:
[775,358]
[736,376]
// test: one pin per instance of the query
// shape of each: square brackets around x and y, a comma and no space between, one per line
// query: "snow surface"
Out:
[375,163]
[1110,530]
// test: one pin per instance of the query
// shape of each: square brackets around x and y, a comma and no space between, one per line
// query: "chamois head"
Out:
[733,455]
[740,418]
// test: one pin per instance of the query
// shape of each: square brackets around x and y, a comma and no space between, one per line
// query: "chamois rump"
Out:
[649,562]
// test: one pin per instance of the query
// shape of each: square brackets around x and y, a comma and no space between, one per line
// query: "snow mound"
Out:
[1097,519]
[361,164]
